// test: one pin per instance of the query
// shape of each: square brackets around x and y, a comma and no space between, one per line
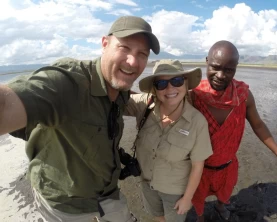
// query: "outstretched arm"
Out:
[12,111]
[184,204]
[258,125]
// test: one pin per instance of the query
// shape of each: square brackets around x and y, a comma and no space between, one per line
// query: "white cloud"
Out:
[48,29]
[174,31]
[36,32]
[93,5]
[196,4]
[253,33]
[120,12]
[136,9]
[157,6]
[199,6]
[22,51]
[126,2]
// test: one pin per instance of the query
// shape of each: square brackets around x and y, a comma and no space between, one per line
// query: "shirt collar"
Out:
[187,110]
[98,85]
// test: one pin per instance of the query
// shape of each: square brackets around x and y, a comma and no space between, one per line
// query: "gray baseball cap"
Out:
[129,25]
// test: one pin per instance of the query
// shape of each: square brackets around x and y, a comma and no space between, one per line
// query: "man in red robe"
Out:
[225,102]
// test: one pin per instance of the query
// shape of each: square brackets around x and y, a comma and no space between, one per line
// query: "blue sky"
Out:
[40,31]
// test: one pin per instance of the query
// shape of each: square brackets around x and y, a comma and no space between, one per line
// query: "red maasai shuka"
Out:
[232,96]
[225,141]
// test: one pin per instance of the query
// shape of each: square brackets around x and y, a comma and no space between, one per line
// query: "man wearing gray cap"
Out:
[70,114]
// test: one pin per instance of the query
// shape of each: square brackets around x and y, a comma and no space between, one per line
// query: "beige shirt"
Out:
[165,154]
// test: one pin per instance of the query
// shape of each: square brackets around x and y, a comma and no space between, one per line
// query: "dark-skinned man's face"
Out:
[221,68]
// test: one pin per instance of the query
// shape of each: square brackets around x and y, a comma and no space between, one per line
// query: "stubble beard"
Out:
[116,85]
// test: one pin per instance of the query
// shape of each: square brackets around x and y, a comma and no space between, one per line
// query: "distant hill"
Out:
[19,68]
[188,57]
[271,59]
[244,59]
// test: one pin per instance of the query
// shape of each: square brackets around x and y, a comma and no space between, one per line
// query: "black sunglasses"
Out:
[113,126]
[163,83]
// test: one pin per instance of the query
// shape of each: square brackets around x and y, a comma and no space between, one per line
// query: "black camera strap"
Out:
[131,165]
[146,113]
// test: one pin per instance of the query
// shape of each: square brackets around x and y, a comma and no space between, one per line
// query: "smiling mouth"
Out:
[127,71]
[171,95]
[220,83]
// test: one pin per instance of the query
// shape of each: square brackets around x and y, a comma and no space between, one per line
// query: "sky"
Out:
[41,31]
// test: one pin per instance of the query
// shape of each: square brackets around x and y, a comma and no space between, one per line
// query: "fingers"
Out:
[182,211]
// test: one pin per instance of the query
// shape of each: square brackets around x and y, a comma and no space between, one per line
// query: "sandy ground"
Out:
[254,198]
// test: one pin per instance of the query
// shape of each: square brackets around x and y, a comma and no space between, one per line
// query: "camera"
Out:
[131,165]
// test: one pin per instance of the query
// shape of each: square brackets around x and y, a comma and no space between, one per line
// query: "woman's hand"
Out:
[183,205]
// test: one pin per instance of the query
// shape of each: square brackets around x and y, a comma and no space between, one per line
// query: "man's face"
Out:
[124,59]
[221,68]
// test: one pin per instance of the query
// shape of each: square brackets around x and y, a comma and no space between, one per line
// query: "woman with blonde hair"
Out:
[173,142]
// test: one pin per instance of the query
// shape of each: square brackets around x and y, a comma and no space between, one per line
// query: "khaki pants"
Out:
[115,211]
[160,204]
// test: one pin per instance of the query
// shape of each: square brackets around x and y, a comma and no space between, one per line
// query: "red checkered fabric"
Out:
[225,141]
[232,96]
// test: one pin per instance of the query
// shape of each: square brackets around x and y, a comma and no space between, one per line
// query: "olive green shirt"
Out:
[72,161]
[165,154]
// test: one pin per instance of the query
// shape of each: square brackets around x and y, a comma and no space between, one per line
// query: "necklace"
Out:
[167,116]
[161,120]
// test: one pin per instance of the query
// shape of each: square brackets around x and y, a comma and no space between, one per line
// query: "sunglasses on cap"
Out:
[163,83]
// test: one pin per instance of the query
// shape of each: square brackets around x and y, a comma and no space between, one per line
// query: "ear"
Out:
[207,59]
[105,41]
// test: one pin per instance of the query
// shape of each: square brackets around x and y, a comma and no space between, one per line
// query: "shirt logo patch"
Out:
[184,132]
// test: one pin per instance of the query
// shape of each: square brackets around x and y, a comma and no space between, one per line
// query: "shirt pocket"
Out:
[180,145]
[94,144]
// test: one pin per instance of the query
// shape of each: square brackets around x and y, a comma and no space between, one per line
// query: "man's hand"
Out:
[12,111]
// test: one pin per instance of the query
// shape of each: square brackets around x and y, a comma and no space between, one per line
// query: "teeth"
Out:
[218,82]
[127,71]
[171,95]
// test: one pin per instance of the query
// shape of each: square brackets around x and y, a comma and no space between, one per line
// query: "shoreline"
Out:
[197,64]
[244,65]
